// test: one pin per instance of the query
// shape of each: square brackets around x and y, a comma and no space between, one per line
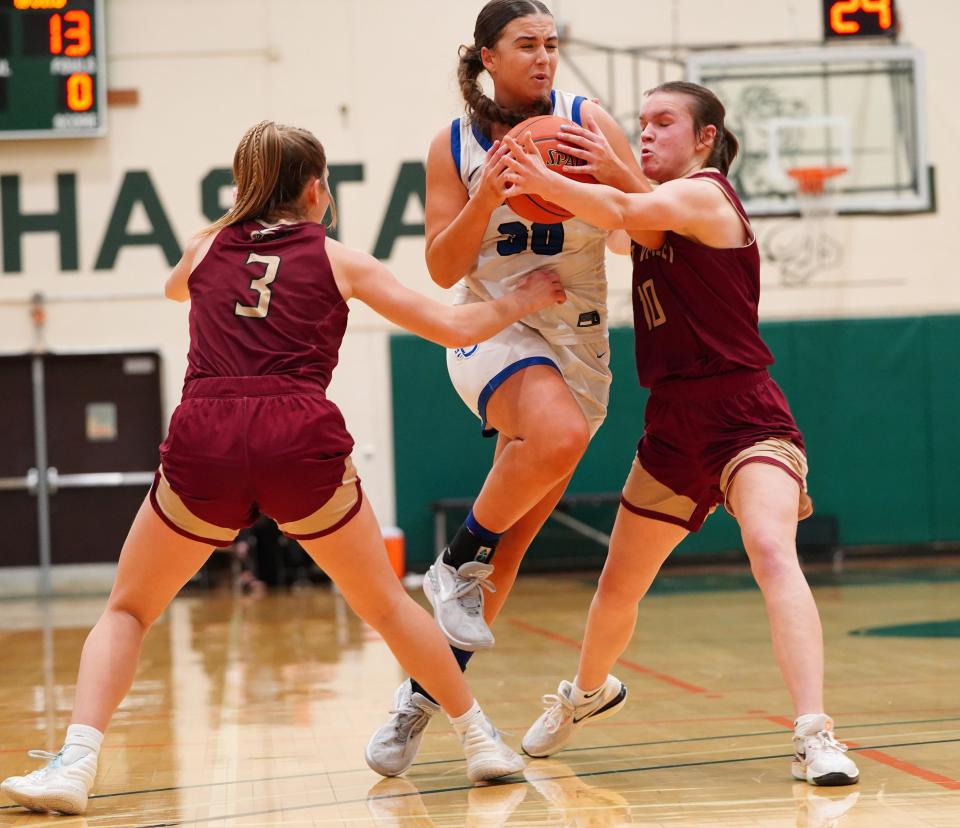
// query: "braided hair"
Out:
[271,166]
[492,20]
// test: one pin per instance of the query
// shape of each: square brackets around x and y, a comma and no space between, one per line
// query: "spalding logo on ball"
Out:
[546,136]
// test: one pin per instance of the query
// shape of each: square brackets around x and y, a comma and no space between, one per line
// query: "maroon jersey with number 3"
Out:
[255,432]
[264,302]
[695,307]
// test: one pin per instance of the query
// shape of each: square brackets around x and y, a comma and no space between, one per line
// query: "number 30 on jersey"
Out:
[543,239]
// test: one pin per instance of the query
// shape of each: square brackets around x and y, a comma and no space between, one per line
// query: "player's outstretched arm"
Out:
[675,205]
[362,276]
[602,145]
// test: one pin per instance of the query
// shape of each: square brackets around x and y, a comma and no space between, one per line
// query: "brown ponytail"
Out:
[725,149]
[493,18]
[271,166]
[706,110]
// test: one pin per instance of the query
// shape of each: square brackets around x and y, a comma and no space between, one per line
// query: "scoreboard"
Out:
[52,81]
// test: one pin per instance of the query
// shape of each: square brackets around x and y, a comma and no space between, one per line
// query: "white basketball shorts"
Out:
[478,370]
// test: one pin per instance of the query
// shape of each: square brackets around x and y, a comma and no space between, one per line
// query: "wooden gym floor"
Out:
[256,711]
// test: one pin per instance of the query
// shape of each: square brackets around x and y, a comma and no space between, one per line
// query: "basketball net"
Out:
[816,200]
[814,249]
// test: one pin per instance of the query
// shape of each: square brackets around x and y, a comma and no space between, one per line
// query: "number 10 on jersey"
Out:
[652,311]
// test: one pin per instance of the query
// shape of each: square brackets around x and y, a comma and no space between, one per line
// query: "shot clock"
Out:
[855,19]
[52,82]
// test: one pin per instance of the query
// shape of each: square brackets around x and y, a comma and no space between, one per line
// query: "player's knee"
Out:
[131,616]
[613,592]
[561,447]
[771,556]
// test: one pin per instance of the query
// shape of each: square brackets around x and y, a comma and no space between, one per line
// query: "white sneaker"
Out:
[488,756]
[819,758]
[562,718]
[393,747]
[56,786]
[457,599]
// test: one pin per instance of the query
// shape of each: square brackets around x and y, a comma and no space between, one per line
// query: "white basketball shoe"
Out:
[562,718]
[62,785]
[457,599]
[393,747]
[818,757]
[488,756]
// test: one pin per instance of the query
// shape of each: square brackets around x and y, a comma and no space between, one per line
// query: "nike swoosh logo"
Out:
[473,172]
[600,356]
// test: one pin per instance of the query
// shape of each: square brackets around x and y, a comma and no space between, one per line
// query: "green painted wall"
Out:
[878,401]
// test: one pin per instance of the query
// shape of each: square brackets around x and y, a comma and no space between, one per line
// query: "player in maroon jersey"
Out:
[717,427]
[255,433]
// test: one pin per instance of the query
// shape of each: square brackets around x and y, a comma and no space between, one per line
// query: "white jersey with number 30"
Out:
[513,246]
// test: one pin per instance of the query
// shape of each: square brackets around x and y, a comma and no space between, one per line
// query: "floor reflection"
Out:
[823,807]
[399,802]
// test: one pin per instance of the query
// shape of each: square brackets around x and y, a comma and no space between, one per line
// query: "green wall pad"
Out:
[878,401]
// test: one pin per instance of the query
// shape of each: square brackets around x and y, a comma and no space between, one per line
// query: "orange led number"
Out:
[881,8]
[56,34]
[79,32]
[79,92]
[840,9]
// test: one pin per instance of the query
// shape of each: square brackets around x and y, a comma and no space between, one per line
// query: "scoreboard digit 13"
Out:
[52,83]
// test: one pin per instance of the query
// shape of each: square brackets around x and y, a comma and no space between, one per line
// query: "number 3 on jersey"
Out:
[261,285]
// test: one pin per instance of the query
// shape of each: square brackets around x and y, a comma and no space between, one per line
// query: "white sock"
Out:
[473,716]
[81,740]
[578,695]
[811,723]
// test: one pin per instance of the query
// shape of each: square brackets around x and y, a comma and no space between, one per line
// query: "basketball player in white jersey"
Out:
[543,383]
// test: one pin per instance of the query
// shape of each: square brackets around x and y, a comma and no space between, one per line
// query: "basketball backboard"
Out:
[860,108]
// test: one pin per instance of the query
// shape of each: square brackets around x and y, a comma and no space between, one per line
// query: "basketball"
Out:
[545,130]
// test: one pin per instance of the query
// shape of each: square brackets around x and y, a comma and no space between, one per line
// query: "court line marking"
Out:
[631,665]
[744,735]
[907,767]
[871,753]
[458,760]
[457,788]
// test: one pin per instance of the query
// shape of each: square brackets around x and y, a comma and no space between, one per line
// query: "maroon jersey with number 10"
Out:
[695,307]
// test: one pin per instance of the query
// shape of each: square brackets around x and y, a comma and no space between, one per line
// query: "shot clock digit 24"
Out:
[52,80]
[858,19]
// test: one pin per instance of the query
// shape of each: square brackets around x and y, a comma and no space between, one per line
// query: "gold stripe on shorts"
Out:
[338,507]
[774,451]
[645,495]
[176,511]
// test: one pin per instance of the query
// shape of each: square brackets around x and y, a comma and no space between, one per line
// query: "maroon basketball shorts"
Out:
[698,435]
[240,447]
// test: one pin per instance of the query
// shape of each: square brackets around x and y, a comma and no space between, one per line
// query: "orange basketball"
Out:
[546,132]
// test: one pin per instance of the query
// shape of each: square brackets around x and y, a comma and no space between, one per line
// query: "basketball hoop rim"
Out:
[812,180]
